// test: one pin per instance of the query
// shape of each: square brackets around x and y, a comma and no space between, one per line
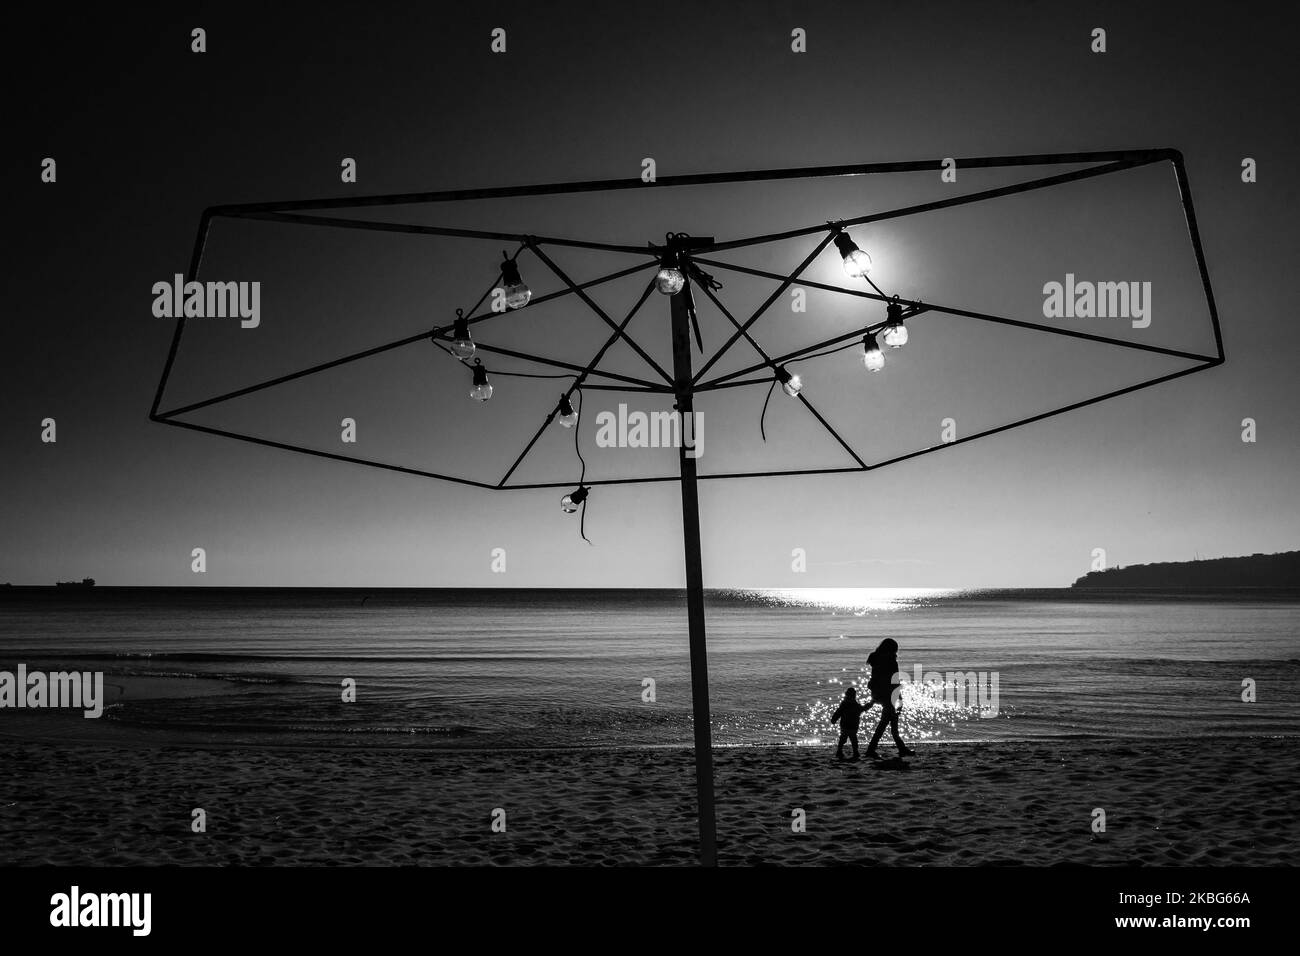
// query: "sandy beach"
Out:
[1173,802]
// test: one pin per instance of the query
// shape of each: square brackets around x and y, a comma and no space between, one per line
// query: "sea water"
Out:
[526,668]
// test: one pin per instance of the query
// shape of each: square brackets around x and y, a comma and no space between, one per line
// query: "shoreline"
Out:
[38,729]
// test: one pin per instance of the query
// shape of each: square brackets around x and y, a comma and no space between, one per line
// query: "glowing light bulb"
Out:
[790,384]
[516,292]
[895,334]
[856,262]
[567,416]
[570,502]
[482,389]
[872,357]
[462,346]
[669,280]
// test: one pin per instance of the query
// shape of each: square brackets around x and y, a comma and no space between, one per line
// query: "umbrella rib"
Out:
[1069,333]
[1209,363]
[699,179]
[786,282]
[723,381]
[371,225]
[285,446]
[441,332]
[759,349]
[920,308]
[1011,190]
[196,260]
[601,312]
[559,363]
[589,370]
[1115,393]
[539,299]
[281,379]
[279,212]
[762,273]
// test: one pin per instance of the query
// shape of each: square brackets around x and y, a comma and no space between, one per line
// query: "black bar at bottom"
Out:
[334,906]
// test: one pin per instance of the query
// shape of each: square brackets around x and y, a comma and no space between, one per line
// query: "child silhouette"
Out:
[849,713]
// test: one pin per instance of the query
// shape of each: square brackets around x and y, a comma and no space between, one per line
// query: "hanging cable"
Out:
[577,429]
[763,414]
[703,278]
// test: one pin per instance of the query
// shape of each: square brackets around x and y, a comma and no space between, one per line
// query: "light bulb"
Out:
[872,357]
[462,346]
[669,280]
[567,416]
[516,292]
[895,331]
[570,502]
[896,336]
[482,389]
[856,262]
[517,295]
[791,384]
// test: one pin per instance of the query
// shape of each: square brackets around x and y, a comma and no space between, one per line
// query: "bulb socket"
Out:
[510,273]
[844,244]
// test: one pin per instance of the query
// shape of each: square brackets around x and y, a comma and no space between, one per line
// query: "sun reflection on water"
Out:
[857,601]
[924,714]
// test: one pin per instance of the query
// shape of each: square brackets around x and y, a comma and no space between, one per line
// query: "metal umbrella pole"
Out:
[681,306]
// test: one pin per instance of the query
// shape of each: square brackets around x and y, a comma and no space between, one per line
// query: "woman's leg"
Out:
[903,749]
[885,709]
[839,748]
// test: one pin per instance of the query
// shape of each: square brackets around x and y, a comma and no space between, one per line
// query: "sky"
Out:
[146,134]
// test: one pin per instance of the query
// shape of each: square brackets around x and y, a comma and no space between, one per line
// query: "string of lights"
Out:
[676,266]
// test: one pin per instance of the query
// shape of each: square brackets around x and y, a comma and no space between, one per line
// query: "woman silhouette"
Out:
[882,684]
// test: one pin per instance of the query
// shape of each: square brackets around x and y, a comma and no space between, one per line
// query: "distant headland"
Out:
[1280,570]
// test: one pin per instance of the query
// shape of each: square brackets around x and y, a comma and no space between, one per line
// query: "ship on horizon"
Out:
[83,583]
